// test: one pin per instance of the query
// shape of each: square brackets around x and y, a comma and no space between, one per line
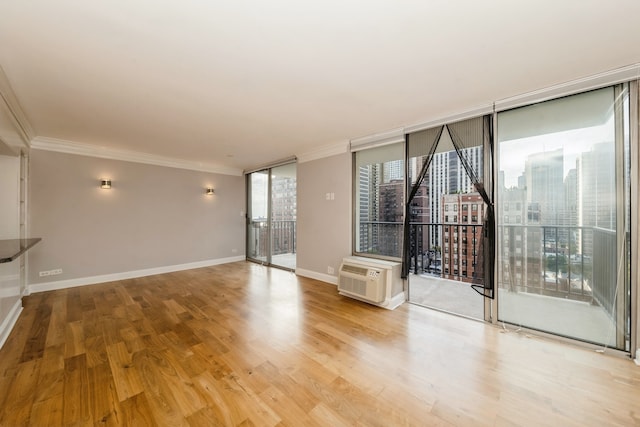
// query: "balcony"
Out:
[558,279]
[281,234]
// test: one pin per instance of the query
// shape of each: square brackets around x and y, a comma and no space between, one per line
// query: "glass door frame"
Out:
[487,172]
[249,215]
[268,258]
[491,306]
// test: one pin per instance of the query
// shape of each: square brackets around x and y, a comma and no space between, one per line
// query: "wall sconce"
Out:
[210,191]
[105,183]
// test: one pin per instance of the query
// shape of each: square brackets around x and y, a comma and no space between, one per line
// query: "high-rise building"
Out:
[545,185]
[283,215]
[596,187]
[462,236]
[447,176]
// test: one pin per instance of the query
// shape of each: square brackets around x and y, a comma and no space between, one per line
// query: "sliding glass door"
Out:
[447,217]
[563,217]
[271,213]
[258,216]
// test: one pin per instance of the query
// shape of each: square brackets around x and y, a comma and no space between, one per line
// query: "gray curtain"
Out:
[464,135]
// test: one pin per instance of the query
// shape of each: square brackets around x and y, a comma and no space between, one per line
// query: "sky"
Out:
[513,154]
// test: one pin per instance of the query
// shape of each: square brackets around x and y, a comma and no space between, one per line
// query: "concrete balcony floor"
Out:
[561,316]
[284,260]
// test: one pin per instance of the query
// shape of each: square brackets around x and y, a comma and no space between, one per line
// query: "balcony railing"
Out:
[451,251]
[573,262]
[605,269]
[380,238]
[283,237]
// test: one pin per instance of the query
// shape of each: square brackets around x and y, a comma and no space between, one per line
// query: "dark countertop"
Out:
[11,249]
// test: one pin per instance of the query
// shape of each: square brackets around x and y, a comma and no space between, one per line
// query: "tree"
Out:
[556,263]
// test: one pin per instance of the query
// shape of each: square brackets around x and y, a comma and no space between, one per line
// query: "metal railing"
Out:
[380,238]
[605,271]
[283,237]
[450,251]
[574,262]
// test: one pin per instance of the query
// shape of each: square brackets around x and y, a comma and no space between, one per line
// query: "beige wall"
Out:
[324,226]
[152,217]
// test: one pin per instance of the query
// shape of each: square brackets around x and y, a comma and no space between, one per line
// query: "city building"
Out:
[462,236]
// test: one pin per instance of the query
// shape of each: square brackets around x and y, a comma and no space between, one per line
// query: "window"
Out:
[569,159]
[379,185]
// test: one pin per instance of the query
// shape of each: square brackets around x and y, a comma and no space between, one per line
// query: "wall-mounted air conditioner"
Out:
[374,281]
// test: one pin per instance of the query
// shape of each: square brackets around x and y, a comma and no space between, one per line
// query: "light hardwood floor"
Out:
[243,344]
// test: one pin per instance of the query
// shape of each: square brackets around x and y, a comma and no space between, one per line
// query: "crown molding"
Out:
[378,139]
[596,81]
[70,147]
[452,118]
[324,151]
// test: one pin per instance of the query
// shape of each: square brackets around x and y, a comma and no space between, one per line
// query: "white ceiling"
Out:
[241,83]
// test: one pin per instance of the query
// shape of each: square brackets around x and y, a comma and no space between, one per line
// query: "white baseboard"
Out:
[10,321]
[390,304]
[92,280]
[395,302]
[318,276]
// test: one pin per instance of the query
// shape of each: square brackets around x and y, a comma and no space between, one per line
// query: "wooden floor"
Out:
[242,344]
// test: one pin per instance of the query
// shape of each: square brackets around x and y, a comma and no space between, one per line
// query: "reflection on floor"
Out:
[574,319]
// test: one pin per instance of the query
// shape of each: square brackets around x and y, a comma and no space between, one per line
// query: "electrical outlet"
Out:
[234,251]
[53,272]
[330,270]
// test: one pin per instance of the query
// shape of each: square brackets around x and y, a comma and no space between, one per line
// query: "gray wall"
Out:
[324,226]
[152,217]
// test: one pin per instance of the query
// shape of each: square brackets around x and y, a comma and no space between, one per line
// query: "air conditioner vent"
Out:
[352,285]
[361,271]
